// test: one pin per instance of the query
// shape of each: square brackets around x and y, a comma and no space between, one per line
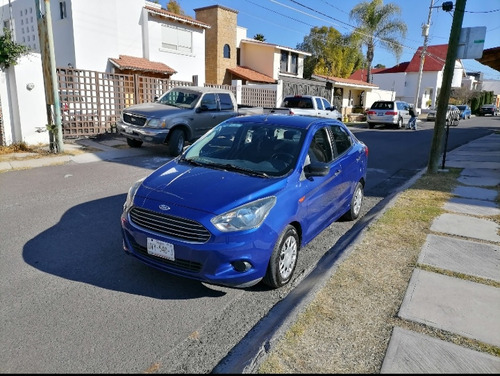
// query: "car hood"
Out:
[205,189]
[155,110]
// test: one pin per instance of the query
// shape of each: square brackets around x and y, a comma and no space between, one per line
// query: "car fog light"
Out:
[241,266]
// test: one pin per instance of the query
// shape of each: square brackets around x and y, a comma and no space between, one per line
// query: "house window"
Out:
[62,9]
[227,51]
[174,38]
[294,63]
[284,61]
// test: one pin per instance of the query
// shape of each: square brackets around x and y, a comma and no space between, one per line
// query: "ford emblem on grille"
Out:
[164,207]
[132,119]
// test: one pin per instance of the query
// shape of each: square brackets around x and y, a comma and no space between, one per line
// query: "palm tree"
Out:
[377,23]
[259,37]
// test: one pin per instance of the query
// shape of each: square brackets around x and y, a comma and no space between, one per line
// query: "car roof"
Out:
[295,121]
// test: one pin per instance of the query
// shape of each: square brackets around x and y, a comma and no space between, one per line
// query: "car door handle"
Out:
[337,172]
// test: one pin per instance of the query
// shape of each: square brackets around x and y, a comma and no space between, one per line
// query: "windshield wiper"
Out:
[193,162]
[231,167]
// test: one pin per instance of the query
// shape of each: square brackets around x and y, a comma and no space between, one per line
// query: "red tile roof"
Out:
[361,74]
[401,67]
[434,59]
[251,75]
[347,81]
[141,64]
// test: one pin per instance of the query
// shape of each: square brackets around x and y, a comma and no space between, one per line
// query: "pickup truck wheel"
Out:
[176,142]
[134,143]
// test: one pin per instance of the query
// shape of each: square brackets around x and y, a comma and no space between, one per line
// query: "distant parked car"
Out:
[465,111]
[395,113]
[452,115]
[488,109]
[237,206]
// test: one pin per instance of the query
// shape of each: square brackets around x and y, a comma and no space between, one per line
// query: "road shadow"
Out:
[86,246]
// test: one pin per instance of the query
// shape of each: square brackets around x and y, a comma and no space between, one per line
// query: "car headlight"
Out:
[156,123]
[131,193]
[245,217]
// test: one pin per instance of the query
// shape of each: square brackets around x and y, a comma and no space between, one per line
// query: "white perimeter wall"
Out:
[24,113]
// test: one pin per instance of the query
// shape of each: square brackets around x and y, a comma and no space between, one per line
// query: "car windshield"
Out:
[182,98]
[461,108]
[257,149]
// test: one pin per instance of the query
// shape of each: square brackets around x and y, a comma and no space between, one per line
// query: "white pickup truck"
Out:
[312,106]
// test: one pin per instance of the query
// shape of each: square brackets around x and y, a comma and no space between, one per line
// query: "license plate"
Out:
[129,130]
[161,249]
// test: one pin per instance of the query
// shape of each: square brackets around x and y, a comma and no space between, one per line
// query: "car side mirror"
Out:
[333,108]
[316,169]
[155,99]
[202,108]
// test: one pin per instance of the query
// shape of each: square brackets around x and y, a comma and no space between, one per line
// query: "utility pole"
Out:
[425,33]
[444,95]
[49,72]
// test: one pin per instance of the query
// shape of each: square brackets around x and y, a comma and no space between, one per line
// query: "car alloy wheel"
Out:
[356,202]
[283,259]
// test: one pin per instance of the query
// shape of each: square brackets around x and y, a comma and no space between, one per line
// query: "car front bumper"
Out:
[237,259]
[151,135]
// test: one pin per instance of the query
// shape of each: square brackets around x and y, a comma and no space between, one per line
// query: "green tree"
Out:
[259,37]
[10,51]
[332,54]
[378,23]
[174,7]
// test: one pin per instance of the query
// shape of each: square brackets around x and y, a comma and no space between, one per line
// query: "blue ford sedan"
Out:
[236,207]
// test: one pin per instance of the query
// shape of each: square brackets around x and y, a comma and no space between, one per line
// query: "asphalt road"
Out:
[73,302]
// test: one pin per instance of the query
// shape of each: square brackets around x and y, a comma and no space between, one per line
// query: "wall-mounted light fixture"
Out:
[30,86]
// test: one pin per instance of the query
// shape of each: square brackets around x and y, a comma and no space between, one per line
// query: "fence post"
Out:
[238,85]
[279,93]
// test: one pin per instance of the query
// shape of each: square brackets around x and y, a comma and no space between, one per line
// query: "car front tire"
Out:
[283,259]
[176,143]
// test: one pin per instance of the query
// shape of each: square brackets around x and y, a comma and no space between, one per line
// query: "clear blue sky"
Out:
[286,22]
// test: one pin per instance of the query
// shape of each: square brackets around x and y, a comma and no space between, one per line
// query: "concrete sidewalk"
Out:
[456,305]
[85,151]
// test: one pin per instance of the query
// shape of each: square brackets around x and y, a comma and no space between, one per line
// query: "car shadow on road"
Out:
[86,246]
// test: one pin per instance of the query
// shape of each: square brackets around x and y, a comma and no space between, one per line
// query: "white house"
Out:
[403,78]
[87,33]
[115,36]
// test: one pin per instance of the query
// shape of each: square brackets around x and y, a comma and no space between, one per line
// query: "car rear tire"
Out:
[176,142]
[134,143]
[356,202]
[283,259]
[371,126]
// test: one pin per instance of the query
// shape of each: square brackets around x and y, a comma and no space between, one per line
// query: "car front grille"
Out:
[133,119]
[175,227]
[181,264]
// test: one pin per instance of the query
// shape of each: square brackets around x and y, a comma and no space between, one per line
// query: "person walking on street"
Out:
[412,123]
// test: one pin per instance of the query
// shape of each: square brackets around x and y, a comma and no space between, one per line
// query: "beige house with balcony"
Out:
[231,55]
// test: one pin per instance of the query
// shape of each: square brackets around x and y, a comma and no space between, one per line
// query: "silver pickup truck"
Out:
[180,115]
